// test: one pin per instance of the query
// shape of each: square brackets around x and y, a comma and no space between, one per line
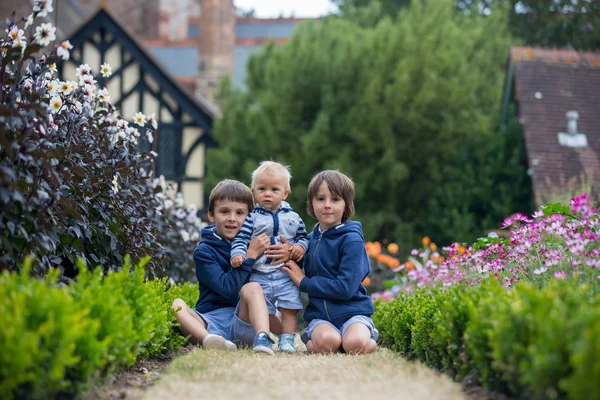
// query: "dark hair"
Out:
[339,185]
[229,189]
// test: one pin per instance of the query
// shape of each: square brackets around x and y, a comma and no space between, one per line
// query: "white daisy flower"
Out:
[106,70]
[152,120]
[17,36]
[87,79]
[53,68]
[84,69]
[65,88]
[43,7]
[45,34]
[150,136]
[88,92]
[78,107]
[53,86]
[73,85]
[55,104]
[103,95]
[115,184]
[185,235]
[63,50]
[139,118]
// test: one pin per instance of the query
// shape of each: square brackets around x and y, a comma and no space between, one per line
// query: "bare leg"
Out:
[275,324]
[289,320]
[190,323]
[357,340]
[253,307]
[324,339]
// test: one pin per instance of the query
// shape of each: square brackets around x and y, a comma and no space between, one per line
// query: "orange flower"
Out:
[392,248]
[409,266]
[426,241]
[433,247]
[366,281]
[373,249]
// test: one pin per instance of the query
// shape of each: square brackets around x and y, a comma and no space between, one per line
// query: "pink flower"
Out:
[560,274]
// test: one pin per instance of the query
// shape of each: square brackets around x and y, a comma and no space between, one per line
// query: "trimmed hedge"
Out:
[527,342]
[55,340]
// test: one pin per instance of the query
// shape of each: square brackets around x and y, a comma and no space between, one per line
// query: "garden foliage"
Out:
[73,183]
[527,342]
[55,340]
[404,107]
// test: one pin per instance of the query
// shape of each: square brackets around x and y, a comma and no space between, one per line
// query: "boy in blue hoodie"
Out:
[336,262]
[218,318]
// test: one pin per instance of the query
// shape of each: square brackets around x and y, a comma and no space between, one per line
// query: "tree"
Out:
[555,23]
[389,105]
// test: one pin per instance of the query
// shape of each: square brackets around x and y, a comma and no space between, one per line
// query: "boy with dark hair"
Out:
[218,318]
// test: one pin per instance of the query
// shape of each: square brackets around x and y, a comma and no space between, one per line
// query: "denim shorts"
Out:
[218,322]
[242,332]
[226,323]
[280,291]
[368,322]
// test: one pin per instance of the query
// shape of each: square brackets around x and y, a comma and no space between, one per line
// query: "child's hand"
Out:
[237,261]
[294,271]
[297,252]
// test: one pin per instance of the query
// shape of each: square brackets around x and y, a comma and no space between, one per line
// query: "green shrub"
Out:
[479,323]
[424,326]
[56,340]
[528,342]
[39,336]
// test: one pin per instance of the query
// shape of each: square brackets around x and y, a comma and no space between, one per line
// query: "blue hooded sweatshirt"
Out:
[219,283]
[335,266]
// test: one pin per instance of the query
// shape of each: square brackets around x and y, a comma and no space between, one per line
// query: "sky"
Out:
[297,8]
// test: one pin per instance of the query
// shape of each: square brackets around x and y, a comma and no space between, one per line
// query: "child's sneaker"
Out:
[263,343]
[217,342]
[286,343]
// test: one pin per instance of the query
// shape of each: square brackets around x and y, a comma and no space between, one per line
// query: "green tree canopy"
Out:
[554,23]
[390,105]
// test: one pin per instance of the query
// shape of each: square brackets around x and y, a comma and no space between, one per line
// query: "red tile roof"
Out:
[548,83]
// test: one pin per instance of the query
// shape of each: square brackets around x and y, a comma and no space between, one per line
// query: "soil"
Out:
[139,376]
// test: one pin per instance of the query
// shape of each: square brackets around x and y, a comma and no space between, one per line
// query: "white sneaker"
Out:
[217,342]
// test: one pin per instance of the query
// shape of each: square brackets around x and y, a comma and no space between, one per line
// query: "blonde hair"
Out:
[275,168]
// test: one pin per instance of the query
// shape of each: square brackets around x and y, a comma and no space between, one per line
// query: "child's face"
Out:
[228,217]
[270,190]
[328,208]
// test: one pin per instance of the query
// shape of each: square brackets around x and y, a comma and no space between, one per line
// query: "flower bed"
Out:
[556,242]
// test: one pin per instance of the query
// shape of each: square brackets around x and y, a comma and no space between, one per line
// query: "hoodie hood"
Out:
[340,230]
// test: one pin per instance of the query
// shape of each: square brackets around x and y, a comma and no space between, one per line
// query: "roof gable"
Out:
[547,84]
[201,111]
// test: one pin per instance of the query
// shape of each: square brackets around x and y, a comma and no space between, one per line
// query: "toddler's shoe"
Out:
[263,343]
[217,342]
[286,343]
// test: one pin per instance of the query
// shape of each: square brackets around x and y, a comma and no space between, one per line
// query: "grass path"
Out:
[215,375]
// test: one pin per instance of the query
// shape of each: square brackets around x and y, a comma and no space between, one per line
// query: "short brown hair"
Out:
[229,189]
[339,185]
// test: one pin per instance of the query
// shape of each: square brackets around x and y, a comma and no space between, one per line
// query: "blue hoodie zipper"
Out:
[317,270]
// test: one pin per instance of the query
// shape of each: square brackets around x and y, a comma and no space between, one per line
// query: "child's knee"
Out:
[329,341]
[358,344]
[251,289]
[178,305]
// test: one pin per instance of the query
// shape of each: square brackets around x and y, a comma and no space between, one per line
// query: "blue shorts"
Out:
[368,322]
[280,291]
[218,322]
[226,323]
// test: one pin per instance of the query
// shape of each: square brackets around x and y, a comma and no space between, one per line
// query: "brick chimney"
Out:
[216,44]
